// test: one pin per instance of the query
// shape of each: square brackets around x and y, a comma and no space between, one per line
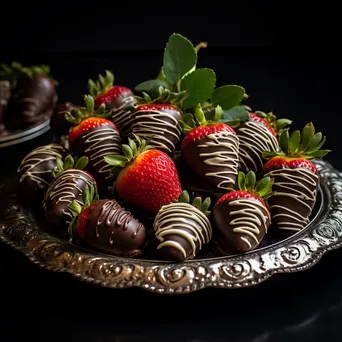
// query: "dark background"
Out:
[288,64]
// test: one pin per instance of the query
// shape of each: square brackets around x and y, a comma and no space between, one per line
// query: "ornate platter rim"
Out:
[19,229]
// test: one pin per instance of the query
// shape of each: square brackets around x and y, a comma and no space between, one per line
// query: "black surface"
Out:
[287,307]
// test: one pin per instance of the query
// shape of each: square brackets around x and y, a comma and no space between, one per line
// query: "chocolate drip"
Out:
[162,125]
[35,171]
[66,187]
[182,231]
[214,160]
[121,117]
[95,144]
[294,197]
[240,224]
[254,138]
[5,94]
[112,229]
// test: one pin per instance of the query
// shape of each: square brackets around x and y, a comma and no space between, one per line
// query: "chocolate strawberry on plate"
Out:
[116,98]
[242,217]
[210,154]
[182,228]
[70,181]
[258,134]
[95,137]
[295,177]
[105,225]
[146,178]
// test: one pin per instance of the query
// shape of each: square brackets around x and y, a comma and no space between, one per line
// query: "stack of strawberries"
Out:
[188,157]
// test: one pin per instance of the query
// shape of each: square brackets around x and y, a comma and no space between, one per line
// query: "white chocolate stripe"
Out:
[122,118]
[184,220]
[227,160]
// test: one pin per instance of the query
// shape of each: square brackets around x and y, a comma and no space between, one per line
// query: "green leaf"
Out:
[317,138]
[294,141]
[68,162]
[184,197]
[318,154]
[282,123]
[199,114]
[126,149]
[150,86]
[236,113]
[307,134]
[161,76]
[188,119]
[206,204]
[60,164]
[133,146]
[179,57]
[242,181]
[90,103]
[228,96]
[82,163]
[75,207]
[116,160]
[197,202]
[263,186]
[319,146]
[284,141]
[250,180]
[269,154]
[199,85]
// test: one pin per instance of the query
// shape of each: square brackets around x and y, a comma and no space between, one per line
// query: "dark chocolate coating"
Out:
[65,188]
[112,229]
[254,139]
[58,123]
[294,197]
[95,144]
[5,95]
[254,221]
[162,123]
[212,162]
[120,117]
[182,231]
[35,172]
[33,99]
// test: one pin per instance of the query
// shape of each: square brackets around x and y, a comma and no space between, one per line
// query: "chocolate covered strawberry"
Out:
[182,228]
[116,99]
[210,153]
[295,177]
[68,185]
[242,217]
[94,137]
[33,93]
[105,225]
[256,135]
[158,119]
[5,95]
[146,179]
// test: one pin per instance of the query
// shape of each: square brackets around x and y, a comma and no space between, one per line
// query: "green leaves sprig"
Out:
[197,202]
[262,188]
[69,162]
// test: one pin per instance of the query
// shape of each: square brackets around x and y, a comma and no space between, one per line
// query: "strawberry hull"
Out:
[295,191]
[240,224]
[110,228]
[66,187]
[160,121]
[213,160]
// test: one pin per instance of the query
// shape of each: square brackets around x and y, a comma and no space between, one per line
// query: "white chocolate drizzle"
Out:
[298,185]
[102,142]
[43,154]
[256,138]
[147,123]
[184,220]
[248,220]
[224,163]
[122,118]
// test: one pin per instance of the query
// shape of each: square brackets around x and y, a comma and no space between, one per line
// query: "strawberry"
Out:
[94,137]
[257,134]
[33,93]
[242,217]
[116,98]
[157,119]
[183,228]
[295,177]
[70,180]
[105,225]
[146,178]
[210,153]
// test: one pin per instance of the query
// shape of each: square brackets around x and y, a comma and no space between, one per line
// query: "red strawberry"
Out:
[210,153]
[116,98]
[257,134]
[295,177]
[94,137]
[242,217]
[147,178]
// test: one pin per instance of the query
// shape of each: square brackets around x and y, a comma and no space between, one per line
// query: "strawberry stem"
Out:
[247,182]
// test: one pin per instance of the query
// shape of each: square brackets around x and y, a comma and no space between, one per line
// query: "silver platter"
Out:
[21,230]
